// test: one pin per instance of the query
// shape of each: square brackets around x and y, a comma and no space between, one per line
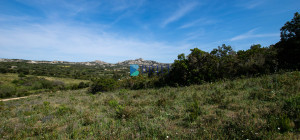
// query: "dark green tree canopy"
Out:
[291,29]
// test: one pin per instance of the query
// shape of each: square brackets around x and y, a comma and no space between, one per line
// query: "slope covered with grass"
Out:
[266,107]
[14,85]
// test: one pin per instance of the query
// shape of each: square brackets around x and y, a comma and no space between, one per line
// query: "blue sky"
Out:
[118,30]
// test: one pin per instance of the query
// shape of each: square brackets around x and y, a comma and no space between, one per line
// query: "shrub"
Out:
[123,92]
[280,123]
[74,86]
[63,109]
[37,85]
[7,91]
[292,109]
[21,75]
[59,84]
[82,85]
[194,110]
[124,112]
[46,84]
[102,85]
[113,103]
[22,92]
[86,118]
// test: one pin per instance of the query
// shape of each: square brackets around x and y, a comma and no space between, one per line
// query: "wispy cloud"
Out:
[128,8]
[121,5]
[9,18]
[62,7]
[250,34]
[183,10]
[79,42]
[201,21]
[194,35]
[250,4]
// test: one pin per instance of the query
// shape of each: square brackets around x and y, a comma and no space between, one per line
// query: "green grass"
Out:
[11,85]
[67,81]
[9,77]
[266,107]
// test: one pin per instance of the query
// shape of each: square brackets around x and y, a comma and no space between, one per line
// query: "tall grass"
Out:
[265,107]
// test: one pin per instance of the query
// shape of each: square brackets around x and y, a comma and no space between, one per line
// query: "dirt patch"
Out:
[3,100]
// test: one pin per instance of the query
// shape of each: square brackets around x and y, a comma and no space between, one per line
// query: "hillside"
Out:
[266,107]
[139,61]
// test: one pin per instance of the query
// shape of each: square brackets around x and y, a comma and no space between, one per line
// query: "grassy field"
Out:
[14,85]
[9,77]
[266,107]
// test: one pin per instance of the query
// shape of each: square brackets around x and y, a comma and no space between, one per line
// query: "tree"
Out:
[288,48]
[179,72]
[291,29]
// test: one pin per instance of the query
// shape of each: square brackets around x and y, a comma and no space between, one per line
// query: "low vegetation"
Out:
[13,85]
[265,107]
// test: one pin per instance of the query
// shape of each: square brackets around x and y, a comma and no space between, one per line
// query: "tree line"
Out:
[223,62]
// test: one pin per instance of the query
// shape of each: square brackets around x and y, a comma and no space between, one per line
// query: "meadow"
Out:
[18,85]
[265,107]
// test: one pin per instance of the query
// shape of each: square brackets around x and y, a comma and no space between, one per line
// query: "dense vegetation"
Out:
[75,71]
[223,62]
[265,107]
[13,85]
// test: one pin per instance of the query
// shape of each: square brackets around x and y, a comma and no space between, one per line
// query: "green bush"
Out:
[81,85]
[22,92]
[292,109]
[280,123]
[113,103]
[58,84]
[194,111]
[63,109]
[7,91]
[37,85]
[21,75]
[102,85]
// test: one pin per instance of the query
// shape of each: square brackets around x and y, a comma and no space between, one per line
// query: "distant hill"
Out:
[139,61]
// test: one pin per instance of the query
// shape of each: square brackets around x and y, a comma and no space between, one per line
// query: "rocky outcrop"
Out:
[140,61]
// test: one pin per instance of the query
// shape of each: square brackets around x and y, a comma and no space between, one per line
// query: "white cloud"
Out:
[77,41]
[121,5]
[250,34]
[251,4]
[180,13]
[201,21]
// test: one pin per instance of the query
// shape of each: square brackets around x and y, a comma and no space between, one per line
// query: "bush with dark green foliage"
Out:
[7,91]
[292,109]
[102,84]
[194,110]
